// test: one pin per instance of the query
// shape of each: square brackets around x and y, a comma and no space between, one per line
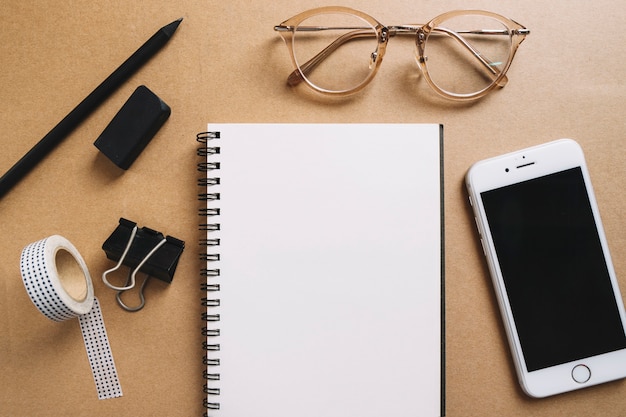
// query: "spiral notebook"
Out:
[323,283]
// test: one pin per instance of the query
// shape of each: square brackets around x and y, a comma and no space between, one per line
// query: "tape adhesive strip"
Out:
[58,283]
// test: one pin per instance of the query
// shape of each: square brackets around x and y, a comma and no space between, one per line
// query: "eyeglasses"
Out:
[463,55]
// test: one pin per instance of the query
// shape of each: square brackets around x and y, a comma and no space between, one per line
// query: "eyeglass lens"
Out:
[465,54]
[351,41]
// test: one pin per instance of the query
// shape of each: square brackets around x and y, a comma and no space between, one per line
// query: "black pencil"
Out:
[88,105]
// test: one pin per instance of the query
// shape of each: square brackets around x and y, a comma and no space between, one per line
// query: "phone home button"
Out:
[581,374]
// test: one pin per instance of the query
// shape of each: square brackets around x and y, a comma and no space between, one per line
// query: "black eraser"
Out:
[133,127]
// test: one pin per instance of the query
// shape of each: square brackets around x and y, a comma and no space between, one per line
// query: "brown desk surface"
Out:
[226,64]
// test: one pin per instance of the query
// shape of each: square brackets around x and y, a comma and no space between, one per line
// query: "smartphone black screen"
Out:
[554,269]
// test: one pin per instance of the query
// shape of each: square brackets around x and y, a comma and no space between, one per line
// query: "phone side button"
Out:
[581,374]
[482,243]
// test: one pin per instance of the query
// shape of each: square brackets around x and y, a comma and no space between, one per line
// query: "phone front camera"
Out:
[506,170]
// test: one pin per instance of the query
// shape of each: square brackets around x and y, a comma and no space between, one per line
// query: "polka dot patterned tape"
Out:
[58,283]
[99,353]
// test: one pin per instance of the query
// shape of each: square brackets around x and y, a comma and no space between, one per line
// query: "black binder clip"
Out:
[141,249]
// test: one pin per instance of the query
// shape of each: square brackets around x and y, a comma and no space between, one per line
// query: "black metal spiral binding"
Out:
[210,255]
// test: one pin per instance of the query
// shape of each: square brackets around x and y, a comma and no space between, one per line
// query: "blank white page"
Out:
[330,266]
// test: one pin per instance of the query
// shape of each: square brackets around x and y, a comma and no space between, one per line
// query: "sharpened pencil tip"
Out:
[171,28]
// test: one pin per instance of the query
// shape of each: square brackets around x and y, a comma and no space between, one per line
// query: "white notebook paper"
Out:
[325,270]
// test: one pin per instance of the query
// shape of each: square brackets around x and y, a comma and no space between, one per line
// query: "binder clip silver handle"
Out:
[142,298]
[130,282]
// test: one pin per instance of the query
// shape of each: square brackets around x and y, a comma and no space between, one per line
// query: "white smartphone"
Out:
[540,229]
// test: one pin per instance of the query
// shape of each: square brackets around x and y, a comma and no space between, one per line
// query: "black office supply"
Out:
[133,127]
[162,264]
[88,105]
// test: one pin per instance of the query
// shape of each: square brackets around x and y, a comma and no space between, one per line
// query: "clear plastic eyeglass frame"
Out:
[492,72]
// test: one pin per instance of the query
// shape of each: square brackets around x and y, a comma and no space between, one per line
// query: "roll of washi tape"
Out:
[58,283]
